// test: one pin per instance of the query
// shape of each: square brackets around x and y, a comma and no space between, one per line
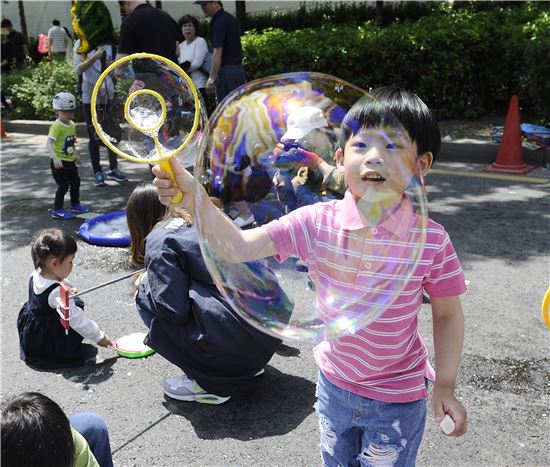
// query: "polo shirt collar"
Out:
[398,224]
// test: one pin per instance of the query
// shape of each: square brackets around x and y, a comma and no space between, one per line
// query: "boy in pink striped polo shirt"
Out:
[372,384]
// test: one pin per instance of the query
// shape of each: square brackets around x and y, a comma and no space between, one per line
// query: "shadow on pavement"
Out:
[273,404]
[287,351]
[86,375]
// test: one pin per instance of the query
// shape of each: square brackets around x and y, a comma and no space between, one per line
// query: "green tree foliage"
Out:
[463,61]
[32,89]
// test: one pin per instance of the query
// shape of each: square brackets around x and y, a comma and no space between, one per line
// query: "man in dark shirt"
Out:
[17,44]
[227,72]
[147,29]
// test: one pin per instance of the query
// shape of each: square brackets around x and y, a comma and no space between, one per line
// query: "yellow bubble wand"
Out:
[149,128]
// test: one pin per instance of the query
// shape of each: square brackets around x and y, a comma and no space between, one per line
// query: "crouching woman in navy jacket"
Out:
[190,323]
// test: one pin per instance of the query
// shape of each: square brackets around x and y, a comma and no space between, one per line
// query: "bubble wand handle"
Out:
[165,165]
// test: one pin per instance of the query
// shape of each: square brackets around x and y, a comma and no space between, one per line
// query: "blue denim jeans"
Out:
[230,77]
[357,431]
[94,430]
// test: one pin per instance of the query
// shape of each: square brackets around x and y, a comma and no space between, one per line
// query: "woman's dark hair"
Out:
[143,211]
[51,242]
[396,108]
[188,19]
[36,432]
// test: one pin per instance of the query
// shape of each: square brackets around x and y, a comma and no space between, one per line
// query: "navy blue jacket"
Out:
[193,326]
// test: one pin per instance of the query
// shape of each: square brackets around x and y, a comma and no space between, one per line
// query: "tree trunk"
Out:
[23,20]
[379,8]
[240,10]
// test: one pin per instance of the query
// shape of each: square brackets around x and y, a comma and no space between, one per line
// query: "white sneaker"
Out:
[187,389]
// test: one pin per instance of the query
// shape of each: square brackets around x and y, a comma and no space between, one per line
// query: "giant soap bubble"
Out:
[268,151]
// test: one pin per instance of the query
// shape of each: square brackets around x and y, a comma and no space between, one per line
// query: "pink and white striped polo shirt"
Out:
[386,360]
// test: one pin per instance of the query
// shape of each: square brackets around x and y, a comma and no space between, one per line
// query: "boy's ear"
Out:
[426,161]
[339,157]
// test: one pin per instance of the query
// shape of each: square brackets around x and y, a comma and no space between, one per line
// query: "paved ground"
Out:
[500,230]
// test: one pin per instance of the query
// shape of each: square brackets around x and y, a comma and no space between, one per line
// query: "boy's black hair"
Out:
[6,23]
[56,22]
[36,432]
[394,107]
[51,242]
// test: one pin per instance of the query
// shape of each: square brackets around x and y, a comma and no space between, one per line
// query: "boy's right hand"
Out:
[57,163]
[105,341]
[167,189]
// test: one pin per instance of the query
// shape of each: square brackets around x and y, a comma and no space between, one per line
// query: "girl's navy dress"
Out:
[42,338]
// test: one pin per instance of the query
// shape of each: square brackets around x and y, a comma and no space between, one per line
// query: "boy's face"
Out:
[65,115]
[379,163]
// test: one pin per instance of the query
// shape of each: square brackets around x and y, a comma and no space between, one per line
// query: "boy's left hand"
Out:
[77,161]
[445,402]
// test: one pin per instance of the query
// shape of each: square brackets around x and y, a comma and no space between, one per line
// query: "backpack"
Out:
[206,64]
[43,44]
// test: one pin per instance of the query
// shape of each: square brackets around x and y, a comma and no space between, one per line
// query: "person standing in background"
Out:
[19,50]
[90,68]
[227,72]
[192,52]
[147,29]
[59,41]
[69,49]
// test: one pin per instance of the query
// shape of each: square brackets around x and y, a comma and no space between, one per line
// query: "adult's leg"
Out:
[93,428]
[63,180]
[93,145]
[113,160]
[230,77]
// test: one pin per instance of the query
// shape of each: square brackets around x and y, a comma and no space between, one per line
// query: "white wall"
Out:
[39,14]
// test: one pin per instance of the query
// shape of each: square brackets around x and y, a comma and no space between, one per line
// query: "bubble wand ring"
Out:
[164,158]
[151,131]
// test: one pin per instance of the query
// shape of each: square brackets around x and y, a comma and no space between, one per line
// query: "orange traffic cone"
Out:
[2,130]
[510,152]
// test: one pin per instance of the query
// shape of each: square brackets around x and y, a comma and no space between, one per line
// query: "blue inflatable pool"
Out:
[109,229]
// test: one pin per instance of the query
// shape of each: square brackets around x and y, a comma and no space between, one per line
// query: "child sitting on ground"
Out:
[42,337]
[36,432]
[64,160]
[372,383]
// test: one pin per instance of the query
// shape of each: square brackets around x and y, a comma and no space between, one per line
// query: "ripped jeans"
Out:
[358,431]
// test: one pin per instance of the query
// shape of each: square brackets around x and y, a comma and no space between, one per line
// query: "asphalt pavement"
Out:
[500,229]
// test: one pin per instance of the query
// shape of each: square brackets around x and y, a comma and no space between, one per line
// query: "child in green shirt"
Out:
[64,160]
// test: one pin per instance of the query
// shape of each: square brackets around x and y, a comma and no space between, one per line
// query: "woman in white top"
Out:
[192,51]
